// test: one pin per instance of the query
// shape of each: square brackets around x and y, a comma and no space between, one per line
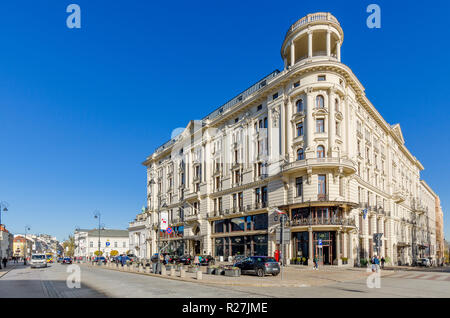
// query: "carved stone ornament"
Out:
[275,116]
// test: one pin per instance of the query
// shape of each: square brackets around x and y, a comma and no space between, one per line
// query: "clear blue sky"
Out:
[81,109]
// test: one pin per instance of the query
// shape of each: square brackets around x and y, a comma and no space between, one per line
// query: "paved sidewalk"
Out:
[292,277]
[9,267]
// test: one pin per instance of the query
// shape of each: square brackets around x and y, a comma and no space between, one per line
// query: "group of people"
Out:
[376,262]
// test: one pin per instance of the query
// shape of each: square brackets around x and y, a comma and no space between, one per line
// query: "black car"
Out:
[259,265]
[185,260]
[207,260]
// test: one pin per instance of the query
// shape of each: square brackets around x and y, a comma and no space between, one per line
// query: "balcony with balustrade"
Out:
[348,166]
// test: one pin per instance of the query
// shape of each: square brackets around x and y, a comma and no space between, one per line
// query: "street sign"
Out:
[108,244]
[164,220]
[286,235]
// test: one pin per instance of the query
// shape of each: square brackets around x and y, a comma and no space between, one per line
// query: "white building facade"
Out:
[305,140]
[87,242]
[139,232]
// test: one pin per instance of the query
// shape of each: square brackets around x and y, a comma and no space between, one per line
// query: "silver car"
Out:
[38,260]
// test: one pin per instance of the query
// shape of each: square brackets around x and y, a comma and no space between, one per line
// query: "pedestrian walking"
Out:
[196,263]
[377,264]
[5,260]
[316,265]
[382,262]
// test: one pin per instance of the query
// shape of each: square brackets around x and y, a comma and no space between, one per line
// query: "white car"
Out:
[424,262]
[38,260]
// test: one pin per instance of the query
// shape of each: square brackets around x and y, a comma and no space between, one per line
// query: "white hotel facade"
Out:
[305,140]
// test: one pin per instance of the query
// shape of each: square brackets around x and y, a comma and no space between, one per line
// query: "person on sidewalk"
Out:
[5,260]
[377,264]
[382,262]
[196,263]
[316,265]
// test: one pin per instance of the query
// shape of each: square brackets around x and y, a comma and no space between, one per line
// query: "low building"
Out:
[6,242]
[87,242]
[22,246]
[139,232]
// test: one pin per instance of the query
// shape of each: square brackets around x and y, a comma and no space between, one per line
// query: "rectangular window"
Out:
[259,108]
[91,244]
[257,195]
[234,200]
[241,201]
[275,96]
[124,244]
[299,186]
[321,78]
[115,244]
[320,125]
[297,84]
[300,129]
[322,190]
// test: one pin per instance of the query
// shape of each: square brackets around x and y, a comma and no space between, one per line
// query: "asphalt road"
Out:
[97,282]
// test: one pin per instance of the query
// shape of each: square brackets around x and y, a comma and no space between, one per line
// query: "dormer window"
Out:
[259,108]
[296,84]
[275,96]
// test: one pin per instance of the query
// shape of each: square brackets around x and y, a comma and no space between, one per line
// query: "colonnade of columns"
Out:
[310,48]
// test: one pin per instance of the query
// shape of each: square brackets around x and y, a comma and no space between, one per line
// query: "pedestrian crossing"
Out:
[426,276]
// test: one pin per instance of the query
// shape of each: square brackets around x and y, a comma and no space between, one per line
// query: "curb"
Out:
[7,271]
[207,283]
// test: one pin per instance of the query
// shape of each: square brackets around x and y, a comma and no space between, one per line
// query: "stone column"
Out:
[310,43]
[289,127]
[328,43]
[345,244]
[331,121]
[292,53]
[338,248]
[338,50]
[350,248]
[310,247]
[309,124]
[285,63]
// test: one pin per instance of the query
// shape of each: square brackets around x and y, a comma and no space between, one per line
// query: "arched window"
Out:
[299,105]
[319,101]
[320,152]
[300,155]
[336,103]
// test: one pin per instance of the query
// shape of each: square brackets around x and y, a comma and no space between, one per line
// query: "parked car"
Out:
[207,260]
[67,260]
[60,259]
[259,265]
[185,260]
[239,258]
[38,260]
[423,262]
[100,259]
[132,258]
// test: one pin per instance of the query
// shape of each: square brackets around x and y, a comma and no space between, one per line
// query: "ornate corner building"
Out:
[305,140]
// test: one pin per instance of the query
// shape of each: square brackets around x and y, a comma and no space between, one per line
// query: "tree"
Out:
[114,253]
[69,246]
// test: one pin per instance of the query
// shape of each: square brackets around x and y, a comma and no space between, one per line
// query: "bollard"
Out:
[199,274]
[182,273]
[172,271]
[163,271]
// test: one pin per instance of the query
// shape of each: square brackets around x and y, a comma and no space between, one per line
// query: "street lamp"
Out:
[98,215]
[27,228]
[3,208]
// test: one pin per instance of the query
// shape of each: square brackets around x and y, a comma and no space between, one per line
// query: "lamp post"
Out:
[98,215]
[27,228]
[3,208]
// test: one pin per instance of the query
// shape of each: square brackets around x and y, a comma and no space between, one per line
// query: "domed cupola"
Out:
[318,36]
